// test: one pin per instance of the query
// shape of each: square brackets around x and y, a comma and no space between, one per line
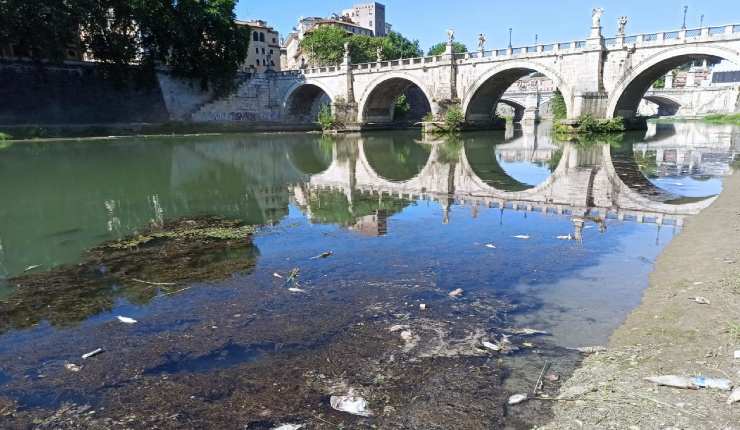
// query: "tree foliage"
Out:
[325,46]
[559,109]
[439,49]
[196,38]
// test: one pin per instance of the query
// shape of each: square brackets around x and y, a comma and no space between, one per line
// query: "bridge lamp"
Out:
[509,37]
[685,9]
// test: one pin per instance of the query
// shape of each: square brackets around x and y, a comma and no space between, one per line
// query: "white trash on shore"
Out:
[734,397]
[716,383]
[126,320]
[517,398]
[93,353]
[673,381]
[528,332]
[351,404]
[591,349]
[289,427]
[700,300]
[491,346]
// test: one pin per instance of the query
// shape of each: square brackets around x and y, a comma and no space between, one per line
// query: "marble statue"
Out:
[596,15]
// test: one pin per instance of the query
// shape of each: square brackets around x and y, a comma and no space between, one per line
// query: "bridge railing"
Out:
[708,32]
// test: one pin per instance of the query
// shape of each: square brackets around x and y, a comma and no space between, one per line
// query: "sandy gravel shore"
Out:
[669,334]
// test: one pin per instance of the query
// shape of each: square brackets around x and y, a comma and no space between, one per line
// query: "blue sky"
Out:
[552,20]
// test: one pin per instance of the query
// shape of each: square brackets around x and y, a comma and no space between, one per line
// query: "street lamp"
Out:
[536,38]
[509,37]
[685,9]
[701,21]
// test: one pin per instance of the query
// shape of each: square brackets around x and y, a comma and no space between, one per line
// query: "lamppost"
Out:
[685,9]
[701,21]
[536,38]
[509,37]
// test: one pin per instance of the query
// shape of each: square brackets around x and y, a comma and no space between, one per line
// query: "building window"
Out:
[263,51]
[257,50]
[255,37]
[262,37]
[271,52]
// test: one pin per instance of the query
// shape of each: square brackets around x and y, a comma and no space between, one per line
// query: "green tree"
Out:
[325,45]
[439,49]
[364,49]
[396,46]
[559,109]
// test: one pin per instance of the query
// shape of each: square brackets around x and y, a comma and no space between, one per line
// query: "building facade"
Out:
[264,47]
[370,16]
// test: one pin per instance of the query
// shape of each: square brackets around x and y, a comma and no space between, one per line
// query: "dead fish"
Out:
[701,300]
[522,236]
[93,353]
[323,255]
[351,404]
[34,267]
[673,381]
[517,398]
[126,320]
[456,293]
[528,332]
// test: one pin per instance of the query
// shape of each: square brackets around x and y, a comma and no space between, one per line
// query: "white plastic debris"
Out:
[568,237]
[406,335]
[34,267]
[456,293]
[93,353]
[673,381]
[72,367]
[701,300]
[517,398]
[734,397]
[491,246]
[351,404]
[422,306]
[126,320]
[289,427]
[296,290]
[591,349]
[323,255]
[277,275]
[522,236]
[528,332]
[716,383]
[491,346]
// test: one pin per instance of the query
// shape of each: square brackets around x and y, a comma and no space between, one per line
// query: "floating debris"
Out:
[568,237]
[126,320]
[277,275]
[522,237]
[34,267]
[93,353]
[700,300]
[296,290]
[591,349]
[491,246]
[517,398]
[422,306]
[528,332]
[72,367]
[289,427]
[734,397]
[528,345]
[491,346]
[323,255]
[351,404]
[673,381]
[456,293]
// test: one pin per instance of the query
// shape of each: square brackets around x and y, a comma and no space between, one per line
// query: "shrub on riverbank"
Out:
[326,118]
[587,124]
[733,118]
[454,118]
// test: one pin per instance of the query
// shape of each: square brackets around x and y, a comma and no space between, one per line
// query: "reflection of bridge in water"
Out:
[595,181]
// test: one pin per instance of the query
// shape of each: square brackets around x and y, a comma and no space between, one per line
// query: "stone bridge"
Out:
[604,77]
[690,102]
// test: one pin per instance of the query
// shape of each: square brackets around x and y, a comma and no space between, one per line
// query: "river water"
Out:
[538,233]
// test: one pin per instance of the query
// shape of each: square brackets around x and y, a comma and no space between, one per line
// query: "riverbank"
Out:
[669,334]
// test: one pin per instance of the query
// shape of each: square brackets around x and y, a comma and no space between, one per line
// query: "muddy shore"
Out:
[669,334]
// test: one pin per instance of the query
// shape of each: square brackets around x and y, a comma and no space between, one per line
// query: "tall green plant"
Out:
[326,118]
[454,118]
[559,109]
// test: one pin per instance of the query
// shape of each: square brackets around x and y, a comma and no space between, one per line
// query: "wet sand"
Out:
[669,334]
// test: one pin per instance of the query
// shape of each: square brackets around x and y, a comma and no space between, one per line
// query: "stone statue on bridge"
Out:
[596,15]
[346,52]
[379,54]
[621,24]
[450,36]
[481,42]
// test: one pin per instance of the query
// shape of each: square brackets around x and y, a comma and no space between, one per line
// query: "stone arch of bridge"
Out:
[380,171]
[625,97]
[377,101]
[304,99]
[480,100]
[666,105]
[518,108]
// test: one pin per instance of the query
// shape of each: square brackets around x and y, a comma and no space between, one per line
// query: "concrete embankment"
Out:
[671,334]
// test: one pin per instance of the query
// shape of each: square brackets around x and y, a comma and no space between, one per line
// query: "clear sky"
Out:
[551,20]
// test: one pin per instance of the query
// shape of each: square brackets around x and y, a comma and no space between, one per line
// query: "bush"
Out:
[4,136]
[454,118]
[587,124]
[429,117]
[559,109]
[733,118]
[326,118]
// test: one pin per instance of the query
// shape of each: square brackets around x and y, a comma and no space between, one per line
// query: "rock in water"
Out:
[351,404]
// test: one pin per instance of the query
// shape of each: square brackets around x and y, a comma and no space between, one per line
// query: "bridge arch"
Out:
[518,108]
[303,100]
[666,105]
[377,101]
[481,98]
[629,90]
